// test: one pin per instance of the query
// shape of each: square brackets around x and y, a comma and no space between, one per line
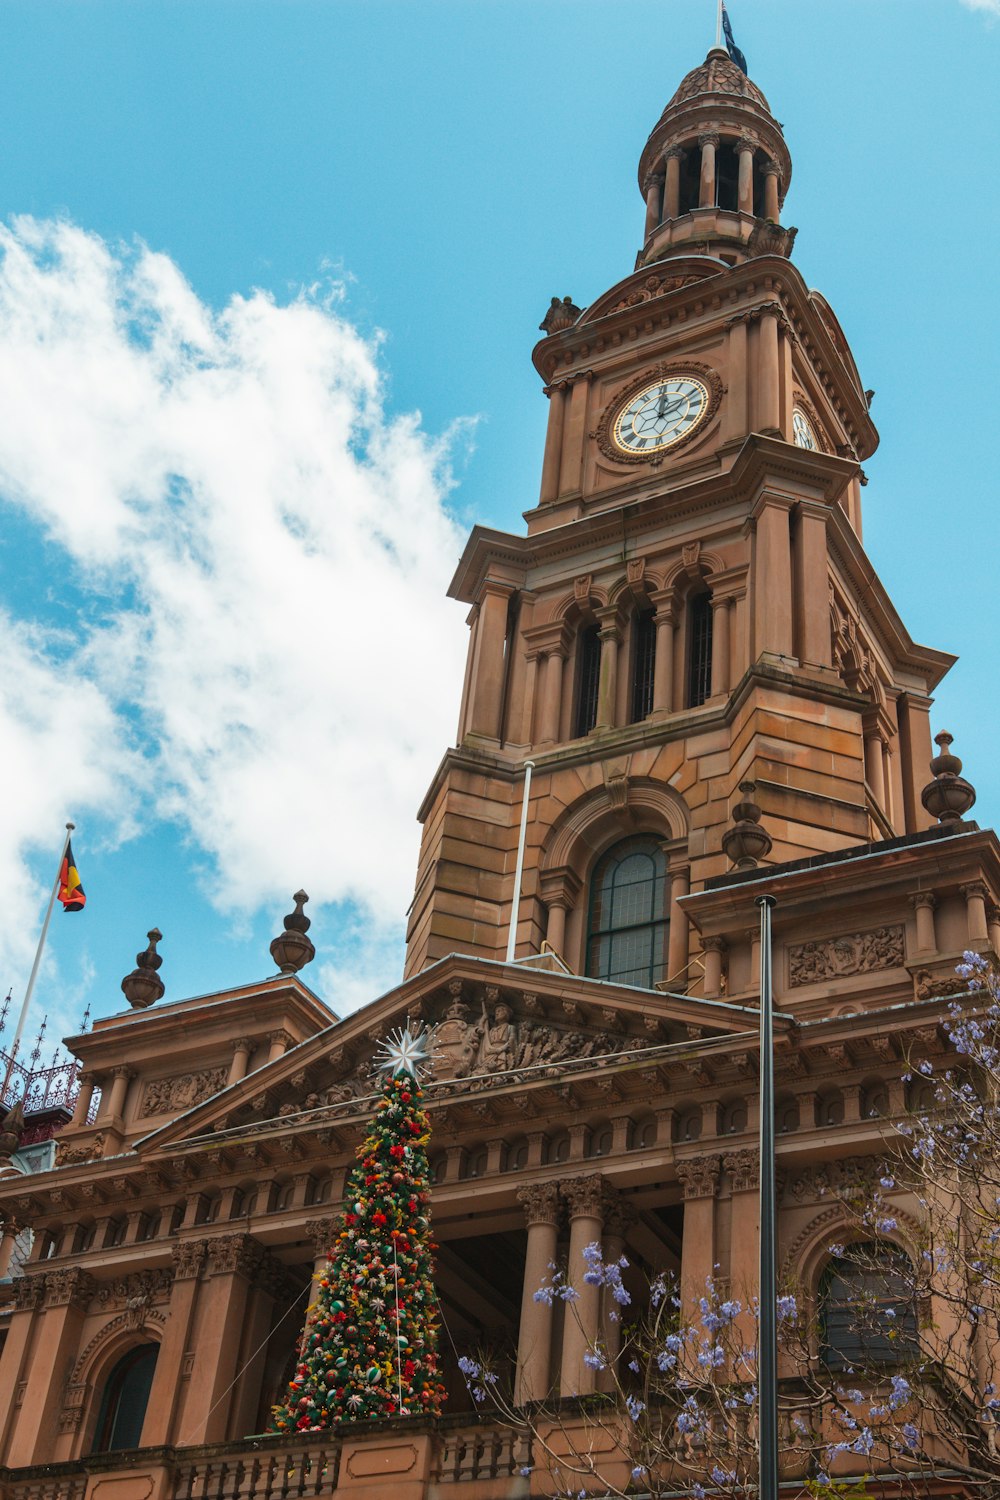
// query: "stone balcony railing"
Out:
[412,1460]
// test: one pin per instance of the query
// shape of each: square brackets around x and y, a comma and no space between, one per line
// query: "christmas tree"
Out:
[369,1349]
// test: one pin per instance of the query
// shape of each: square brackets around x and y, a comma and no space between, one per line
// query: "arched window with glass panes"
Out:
[868,1312]
[629,914]
[122,1410]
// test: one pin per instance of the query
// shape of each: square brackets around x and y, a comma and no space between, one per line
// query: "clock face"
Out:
[802,430]
[660,415]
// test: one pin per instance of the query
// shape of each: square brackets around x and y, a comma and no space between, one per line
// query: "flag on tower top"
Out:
[71,892]
[731,47]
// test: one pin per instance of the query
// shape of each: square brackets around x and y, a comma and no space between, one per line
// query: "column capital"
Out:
[710,138]
[322,1233]
[584,1196]
[234,1254]
[673,153]
[29,1291]
[926,899]
[242,1044]
[743,144]
[281,1035]
[974,889]
[122,1071]
[699,1176]
[713,944]
[540,1202]
[619,1214]
[71,1287]
[560,886]
[770,168]
[744,1169]
[188,1257]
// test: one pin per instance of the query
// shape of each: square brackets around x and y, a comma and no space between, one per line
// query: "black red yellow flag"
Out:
[731,47]
[71,892]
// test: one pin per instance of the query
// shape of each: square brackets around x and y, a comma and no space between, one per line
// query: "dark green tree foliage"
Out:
[369,1349]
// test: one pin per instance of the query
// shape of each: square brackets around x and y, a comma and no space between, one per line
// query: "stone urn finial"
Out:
[143,987]
[949,796]
[291,949]
[746,843]
[561,314]
[11,1126]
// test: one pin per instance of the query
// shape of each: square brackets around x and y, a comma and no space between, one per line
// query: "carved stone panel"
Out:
[840,957]
[163,1096]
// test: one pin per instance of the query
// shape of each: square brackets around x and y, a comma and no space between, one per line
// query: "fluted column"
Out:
[534,1340]
[771,174]
[663,663]
[242,1048]
[581,1329]
[706,193]
[607,689]
[714,949]
[677,943]
[975,910]
[923,903]
[672,183]
[720,647]
[553,444]
[744,195]
[654,198]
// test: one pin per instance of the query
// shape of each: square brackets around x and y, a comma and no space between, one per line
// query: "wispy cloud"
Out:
[991,7]
[265,551]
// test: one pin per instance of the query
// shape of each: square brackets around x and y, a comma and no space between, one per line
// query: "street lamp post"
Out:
[767,1363]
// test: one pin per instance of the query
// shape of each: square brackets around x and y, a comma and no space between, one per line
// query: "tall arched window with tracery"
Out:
[124,1399]
[868,1311]
[629,914]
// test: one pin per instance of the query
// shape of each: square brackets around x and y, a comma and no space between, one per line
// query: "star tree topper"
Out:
[406,1051]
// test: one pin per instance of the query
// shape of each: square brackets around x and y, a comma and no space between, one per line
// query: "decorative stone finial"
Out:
[291,949]
[746,843]
[949,796]
[143,987]
[10,1134]
[560,315]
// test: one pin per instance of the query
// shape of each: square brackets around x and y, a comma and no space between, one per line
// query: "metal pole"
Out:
[34,968]
[515,905]
[718,24]
[767,1363]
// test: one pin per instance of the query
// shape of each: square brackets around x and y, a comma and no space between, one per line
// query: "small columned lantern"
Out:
[291,949]
[949,796]
[746,843]
[143,987]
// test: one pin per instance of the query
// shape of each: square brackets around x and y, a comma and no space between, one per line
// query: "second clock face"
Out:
[660,415]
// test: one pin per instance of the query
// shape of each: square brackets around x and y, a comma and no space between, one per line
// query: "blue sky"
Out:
[265,346]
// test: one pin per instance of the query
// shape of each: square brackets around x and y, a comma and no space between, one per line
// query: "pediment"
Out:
[499,1028]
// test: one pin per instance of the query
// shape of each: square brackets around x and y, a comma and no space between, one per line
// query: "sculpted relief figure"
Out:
[498,1041]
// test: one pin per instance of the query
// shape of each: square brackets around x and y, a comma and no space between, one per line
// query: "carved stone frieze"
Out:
[234,1254]
[68,1287]
[144,1286]
[29,1292]
[163,1096]
[699,1176]
[840,957]
[188,1258]
[654,286]
[90,1150]
[844,1178]
[540,1201]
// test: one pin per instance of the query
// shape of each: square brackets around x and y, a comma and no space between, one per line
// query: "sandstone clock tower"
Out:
[691,607]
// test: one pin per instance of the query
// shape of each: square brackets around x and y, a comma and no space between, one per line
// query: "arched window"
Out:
[643,665]
[868,1309]
[629,921]
[557,1147]
[588,676]
[123,1402]
[699,652]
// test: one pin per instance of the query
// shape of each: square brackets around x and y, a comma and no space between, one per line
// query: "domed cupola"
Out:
[715,170]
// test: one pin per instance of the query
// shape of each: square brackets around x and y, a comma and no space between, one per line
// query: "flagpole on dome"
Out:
[35,966]
[718,24]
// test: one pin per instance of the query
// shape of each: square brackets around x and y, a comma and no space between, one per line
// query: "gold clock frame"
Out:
[654,375]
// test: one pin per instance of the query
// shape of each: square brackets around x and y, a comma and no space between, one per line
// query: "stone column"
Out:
[975,909]
[553,444]
[27,1293]
[772,586]
[677,942]
[874,766]
[663,662]
[699,1177]
[280,1041]
[744,1263]
[584,1201]
[720,647]
[607,690]
[735,421]
[234,1260]
[706,192]
[7,1242]
[534,1340]
[120,1077]
[768,372]
[84,1098]
[993,925]
[161,1412]
[812,601]
[744,198]
[923,903]
[487,688]
[555,931]
[574,432]
[654,198]
[714,949]
[771,210]
[550,711]
[67,1293]
[242,1048]
[619,1216]
[672,183]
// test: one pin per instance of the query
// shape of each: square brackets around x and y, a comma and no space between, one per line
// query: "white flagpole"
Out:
[718,24]
[34,968]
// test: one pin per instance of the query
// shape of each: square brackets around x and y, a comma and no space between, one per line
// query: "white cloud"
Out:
[991,7]
[270,549]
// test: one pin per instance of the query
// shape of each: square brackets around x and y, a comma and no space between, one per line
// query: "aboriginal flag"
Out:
[71,892]
[731,47]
